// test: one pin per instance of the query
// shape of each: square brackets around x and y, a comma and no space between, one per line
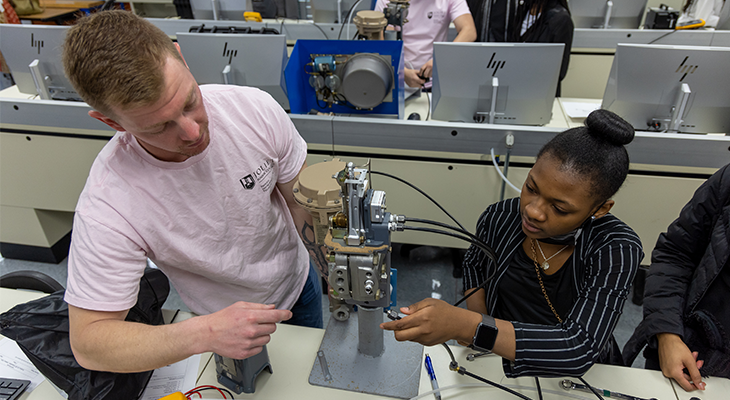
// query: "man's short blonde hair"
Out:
[115,59]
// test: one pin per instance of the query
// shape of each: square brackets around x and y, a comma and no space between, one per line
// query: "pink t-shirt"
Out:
[428,22]
[215,223]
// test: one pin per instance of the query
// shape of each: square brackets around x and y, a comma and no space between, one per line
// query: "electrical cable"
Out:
[321,30]
[349,17]
[486,250]
[428,113]
[661,37]
[200,388]
[345,21]
[590,387]
[537,386]
[474,238]
[561,394]
[506,167]
[421,192]
[476,289]
[501,175]
[463,371]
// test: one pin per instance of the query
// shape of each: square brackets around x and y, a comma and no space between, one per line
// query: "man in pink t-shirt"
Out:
[197,179]
[428,22]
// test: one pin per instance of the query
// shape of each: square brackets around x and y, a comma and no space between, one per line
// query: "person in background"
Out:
[686,321]
[563,269]
[525,21]
[428,22]
[197,179]
[706,10]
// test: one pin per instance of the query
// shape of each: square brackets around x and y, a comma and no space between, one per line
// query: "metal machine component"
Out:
[567,384]
[357,238]
[319,194]
[360,81]
[366,80]
[472,356]
[396,13]
[370,24]
[323,363]
[240,375]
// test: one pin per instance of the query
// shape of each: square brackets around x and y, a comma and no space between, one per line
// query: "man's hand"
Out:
[427,69]
[241,330]
[674,357]
[412,79]
[430,322]
[104,341]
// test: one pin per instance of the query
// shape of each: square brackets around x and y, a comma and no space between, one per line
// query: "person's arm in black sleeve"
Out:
[675,258]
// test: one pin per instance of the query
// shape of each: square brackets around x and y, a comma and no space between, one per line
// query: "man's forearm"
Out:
[104,341]
[122,346]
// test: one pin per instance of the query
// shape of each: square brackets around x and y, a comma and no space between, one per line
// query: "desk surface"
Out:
[559,119]
[292,352]
[50,14]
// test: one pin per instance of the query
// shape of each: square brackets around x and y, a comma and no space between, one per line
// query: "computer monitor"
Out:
[225,9]
[525,85]
[238,59]
[327,11]
[620,14]
[670,88]
[40,45]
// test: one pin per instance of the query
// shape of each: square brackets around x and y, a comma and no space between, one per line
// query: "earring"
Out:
[593,217]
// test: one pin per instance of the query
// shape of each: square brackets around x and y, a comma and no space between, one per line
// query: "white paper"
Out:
[15,364]
[576,109]
[178,377]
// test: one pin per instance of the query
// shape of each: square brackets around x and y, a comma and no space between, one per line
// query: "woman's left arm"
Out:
[571,348]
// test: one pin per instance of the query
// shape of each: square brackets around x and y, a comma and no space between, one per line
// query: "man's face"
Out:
[175,127]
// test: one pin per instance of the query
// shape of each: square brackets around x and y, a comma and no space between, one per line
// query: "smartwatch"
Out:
[486,335]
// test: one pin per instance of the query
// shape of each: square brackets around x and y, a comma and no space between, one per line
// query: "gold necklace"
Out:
[539,279]
[545,263]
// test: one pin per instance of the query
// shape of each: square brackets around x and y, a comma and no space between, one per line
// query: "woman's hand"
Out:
[430,322]
[674,357]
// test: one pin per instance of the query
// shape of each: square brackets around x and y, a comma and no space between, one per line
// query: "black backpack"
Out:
[40,327]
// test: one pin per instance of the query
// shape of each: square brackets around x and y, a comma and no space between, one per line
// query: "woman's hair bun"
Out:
[610,127]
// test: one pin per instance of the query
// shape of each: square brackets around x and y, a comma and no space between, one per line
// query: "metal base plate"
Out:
[396,373]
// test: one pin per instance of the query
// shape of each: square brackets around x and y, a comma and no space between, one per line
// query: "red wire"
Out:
[197,390]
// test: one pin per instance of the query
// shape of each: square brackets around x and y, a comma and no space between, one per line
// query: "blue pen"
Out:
[432,375]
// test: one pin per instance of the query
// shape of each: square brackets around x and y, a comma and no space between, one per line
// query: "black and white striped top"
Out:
[606,257]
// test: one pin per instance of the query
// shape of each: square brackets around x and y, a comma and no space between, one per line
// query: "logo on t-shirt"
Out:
[430,14]
[248,182]
[263,175]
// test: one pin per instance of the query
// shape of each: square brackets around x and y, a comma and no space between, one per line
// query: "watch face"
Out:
[485,335]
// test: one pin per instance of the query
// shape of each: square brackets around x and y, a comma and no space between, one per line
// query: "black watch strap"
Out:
[486,334]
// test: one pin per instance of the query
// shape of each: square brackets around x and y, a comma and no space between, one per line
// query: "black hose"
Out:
[421,192]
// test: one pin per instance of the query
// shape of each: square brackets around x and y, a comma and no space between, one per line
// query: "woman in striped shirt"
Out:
[563,267]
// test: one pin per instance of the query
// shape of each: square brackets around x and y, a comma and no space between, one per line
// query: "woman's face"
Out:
[555,201]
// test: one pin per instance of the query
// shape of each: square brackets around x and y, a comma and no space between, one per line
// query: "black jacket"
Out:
[686,260]
[553,26]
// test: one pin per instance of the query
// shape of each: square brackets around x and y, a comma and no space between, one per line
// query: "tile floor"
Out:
[422,272]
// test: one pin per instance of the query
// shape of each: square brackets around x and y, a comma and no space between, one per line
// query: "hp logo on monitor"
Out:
[37,44]
[685,69]
[495,65]
[230,53]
